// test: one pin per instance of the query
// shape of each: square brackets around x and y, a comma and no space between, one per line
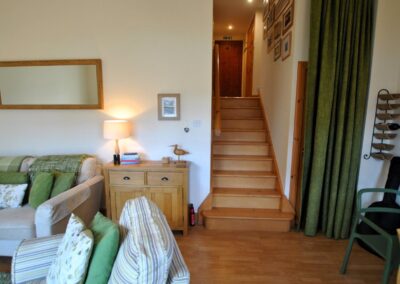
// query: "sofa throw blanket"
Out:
[11,164]
[61,163]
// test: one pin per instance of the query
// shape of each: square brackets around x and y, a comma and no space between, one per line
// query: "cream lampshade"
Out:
[116,129]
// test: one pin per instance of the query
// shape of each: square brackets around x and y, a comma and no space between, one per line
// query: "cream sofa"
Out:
[51,217]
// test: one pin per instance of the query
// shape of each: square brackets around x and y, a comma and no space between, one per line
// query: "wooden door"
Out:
[230,62]
[169,200]
[298,135]
[249,59]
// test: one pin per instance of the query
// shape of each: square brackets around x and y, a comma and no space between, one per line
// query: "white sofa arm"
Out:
[32,258]
[83,200]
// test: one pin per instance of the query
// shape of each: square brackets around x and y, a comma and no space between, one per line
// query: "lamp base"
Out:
[117,159]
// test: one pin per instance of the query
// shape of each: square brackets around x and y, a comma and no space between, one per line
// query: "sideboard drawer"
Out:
[126,178]
[164,178]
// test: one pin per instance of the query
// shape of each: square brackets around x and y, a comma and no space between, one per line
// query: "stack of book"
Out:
[130,158]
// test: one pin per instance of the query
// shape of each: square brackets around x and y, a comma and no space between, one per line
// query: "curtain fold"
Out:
[337,88]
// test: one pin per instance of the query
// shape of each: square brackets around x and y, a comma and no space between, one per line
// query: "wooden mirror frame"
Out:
[99,77]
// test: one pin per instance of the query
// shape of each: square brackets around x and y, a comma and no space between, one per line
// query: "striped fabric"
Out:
[11,164]
[146,252]
[178,271]
[33,258]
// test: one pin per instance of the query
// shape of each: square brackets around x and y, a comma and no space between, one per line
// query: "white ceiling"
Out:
[237,13]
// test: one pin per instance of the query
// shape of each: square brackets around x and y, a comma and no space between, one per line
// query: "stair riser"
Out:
[240,113]
[256,150]
[244,182]
[239,103]
[247,224]
[258,202]
[243,124]
[241,136]
[238,165]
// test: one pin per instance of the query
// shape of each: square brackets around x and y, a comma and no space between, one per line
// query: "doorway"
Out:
[230,56]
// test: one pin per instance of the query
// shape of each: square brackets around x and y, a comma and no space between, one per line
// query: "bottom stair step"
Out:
[270,220]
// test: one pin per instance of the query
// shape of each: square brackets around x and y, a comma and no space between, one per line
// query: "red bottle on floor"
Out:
[192,216]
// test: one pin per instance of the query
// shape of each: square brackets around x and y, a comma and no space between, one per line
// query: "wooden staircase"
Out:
[246,193]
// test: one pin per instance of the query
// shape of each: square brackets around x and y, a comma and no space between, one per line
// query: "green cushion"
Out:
[13,178]
[62,182]
[106,243]
[41,189]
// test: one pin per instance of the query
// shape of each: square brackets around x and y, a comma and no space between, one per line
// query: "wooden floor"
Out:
[266,257]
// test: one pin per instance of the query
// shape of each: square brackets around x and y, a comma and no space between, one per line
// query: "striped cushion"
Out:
[146,251]
[33,258]
[178,271]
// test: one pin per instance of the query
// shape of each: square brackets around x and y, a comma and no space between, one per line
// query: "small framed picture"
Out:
[277,30]
[271,16]
[270,41]
[280,7]
[169,107]
[277,50]
[286,46]
[287,19]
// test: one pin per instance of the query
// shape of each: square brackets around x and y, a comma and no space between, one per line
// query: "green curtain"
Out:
[337,88]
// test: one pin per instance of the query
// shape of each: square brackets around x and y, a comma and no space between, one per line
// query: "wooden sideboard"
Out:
[164,184]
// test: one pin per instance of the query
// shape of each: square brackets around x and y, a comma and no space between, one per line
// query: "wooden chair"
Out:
[384,244]
[398,272]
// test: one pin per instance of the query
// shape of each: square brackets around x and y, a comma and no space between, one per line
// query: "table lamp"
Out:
[116,129]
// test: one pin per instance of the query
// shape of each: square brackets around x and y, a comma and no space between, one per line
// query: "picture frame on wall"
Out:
[287,19]
[270,40]
[280,7]
[277,30]
[277,50]
[169,107]
[271,17]
[286,46]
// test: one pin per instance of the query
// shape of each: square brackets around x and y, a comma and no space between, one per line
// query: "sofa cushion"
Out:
[17,223]
[87,171]
[106,243]
[26,163]
[146,251]
[11,195]
[62,182]
[13,178]
[73,254]
[41,189]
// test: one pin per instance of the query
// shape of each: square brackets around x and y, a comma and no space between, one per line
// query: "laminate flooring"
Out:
[263,257]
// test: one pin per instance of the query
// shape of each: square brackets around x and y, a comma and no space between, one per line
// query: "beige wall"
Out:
[147,47]
[385,74]
[277,83]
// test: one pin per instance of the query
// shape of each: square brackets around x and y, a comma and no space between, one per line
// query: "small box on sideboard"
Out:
[164,184]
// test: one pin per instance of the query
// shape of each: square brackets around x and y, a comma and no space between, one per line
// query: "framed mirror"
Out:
[51,84]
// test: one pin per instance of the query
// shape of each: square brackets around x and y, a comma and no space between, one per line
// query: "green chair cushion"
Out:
[62,182]
[41,189]
[13,178]
[106,243]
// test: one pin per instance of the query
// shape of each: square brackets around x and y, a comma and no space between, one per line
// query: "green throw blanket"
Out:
[11,164]
[60,163]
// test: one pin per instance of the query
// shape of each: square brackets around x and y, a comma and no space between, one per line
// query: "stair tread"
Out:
[243,157]
[246,213]
[240,98]
[243,130]
[226,142]
[244,173]
[240,107]
[246,192]
[245,118]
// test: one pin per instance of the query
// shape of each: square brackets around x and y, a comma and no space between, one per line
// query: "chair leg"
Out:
[387,270]
[345,262]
